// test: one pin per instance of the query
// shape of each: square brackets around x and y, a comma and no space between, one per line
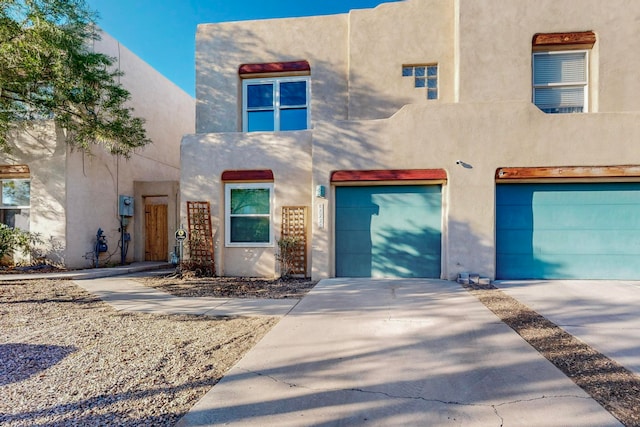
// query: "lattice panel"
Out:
[294,224]
[200,235]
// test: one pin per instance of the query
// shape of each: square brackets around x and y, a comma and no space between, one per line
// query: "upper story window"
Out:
[275,104]
[275,96]
[424,76]
[15,196]
[560,70]
[560,81]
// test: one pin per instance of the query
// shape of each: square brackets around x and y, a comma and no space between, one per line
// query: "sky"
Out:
[162,32]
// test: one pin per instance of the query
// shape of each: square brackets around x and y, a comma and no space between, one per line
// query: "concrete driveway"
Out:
[603,313]
[394,353]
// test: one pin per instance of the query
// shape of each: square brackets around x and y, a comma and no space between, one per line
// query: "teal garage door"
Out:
[388,231]
[568,231]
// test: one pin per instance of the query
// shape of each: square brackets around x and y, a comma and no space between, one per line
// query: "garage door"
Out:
[388,231]
[568,231]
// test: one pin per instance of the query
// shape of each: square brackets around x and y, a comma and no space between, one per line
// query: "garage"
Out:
[568,230]
[388,231]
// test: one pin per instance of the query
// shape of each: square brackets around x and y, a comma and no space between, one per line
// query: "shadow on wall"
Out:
[220,53]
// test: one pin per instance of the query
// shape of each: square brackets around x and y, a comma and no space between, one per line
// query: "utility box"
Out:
[125,207]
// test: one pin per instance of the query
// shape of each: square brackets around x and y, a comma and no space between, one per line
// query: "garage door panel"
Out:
[568,231]
[388,231]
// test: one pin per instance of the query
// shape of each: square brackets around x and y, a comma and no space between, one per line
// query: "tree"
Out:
[49,71]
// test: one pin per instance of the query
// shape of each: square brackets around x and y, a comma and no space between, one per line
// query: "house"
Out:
[424,138]
[66,195]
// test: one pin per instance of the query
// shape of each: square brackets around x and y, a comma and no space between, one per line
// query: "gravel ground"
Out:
[67,358]
[70,359]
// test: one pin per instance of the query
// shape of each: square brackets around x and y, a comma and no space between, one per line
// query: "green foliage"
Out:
[287,249]
[49,71]
[14,240]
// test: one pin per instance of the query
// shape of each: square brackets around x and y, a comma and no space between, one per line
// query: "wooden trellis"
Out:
[294,225]
[200,236]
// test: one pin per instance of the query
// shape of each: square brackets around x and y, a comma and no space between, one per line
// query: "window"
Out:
[14,202]
[275,104]
[560,81]
[424,76]
[248,214]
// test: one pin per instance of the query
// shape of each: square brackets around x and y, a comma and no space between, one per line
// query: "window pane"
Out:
[432,71]
[15,192]
[249,230]
[559,68]
[420,82]
[293,119]
[432,94]
[250,201]
[260,121]
[559,98]
[260,95]
[293,93]
[16,218]
[407,71]
[432,83]
[420,71]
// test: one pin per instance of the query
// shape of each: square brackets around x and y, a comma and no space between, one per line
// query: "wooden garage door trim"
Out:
[509,174]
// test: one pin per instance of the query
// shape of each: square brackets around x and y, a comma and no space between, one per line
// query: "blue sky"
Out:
[162,32]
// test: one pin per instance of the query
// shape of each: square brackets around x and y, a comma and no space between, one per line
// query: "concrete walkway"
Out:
[394,353]
[117,287]
[127,294]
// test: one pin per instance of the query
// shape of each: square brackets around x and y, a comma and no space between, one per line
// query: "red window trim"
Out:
[541,40]
[248,175]
[14,171]
[389,175]
[275,67]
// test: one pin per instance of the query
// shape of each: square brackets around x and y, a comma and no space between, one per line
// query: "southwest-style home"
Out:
[66,195]
[423,138]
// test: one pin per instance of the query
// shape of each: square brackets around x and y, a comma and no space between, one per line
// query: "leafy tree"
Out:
[50,71]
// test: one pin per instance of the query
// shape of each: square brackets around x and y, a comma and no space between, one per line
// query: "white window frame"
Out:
[584,84]
[227,213]
[276,99]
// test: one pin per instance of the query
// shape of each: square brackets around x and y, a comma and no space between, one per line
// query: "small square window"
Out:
[425,76]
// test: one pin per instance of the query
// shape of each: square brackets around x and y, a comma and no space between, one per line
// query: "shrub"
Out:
[13,240]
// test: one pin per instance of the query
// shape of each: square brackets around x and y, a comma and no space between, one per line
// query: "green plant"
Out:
[14,240]
[288,247]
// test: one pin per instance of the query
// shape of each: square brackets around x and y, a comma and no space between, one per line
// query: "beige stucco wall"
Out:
[495,47]
[75,192]
[222,48]
[423,136]
[366,116]
[205,157]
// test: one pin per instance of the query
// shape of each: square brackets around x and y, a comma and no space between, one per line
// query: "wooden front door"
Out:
[156,247]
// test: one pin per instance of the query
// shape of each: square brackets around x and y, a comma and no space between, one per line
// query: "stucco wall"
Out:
[382,40]
[485,136]
[205,157]
[222,48]
[495,48]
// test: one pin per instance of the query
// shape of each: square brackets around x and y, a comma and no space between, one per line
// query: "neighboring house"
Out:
[426,138]
[66,195]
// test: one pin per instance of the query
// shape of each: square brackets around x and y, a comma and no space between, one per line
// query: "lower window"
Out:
[14,202]
[248,214]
